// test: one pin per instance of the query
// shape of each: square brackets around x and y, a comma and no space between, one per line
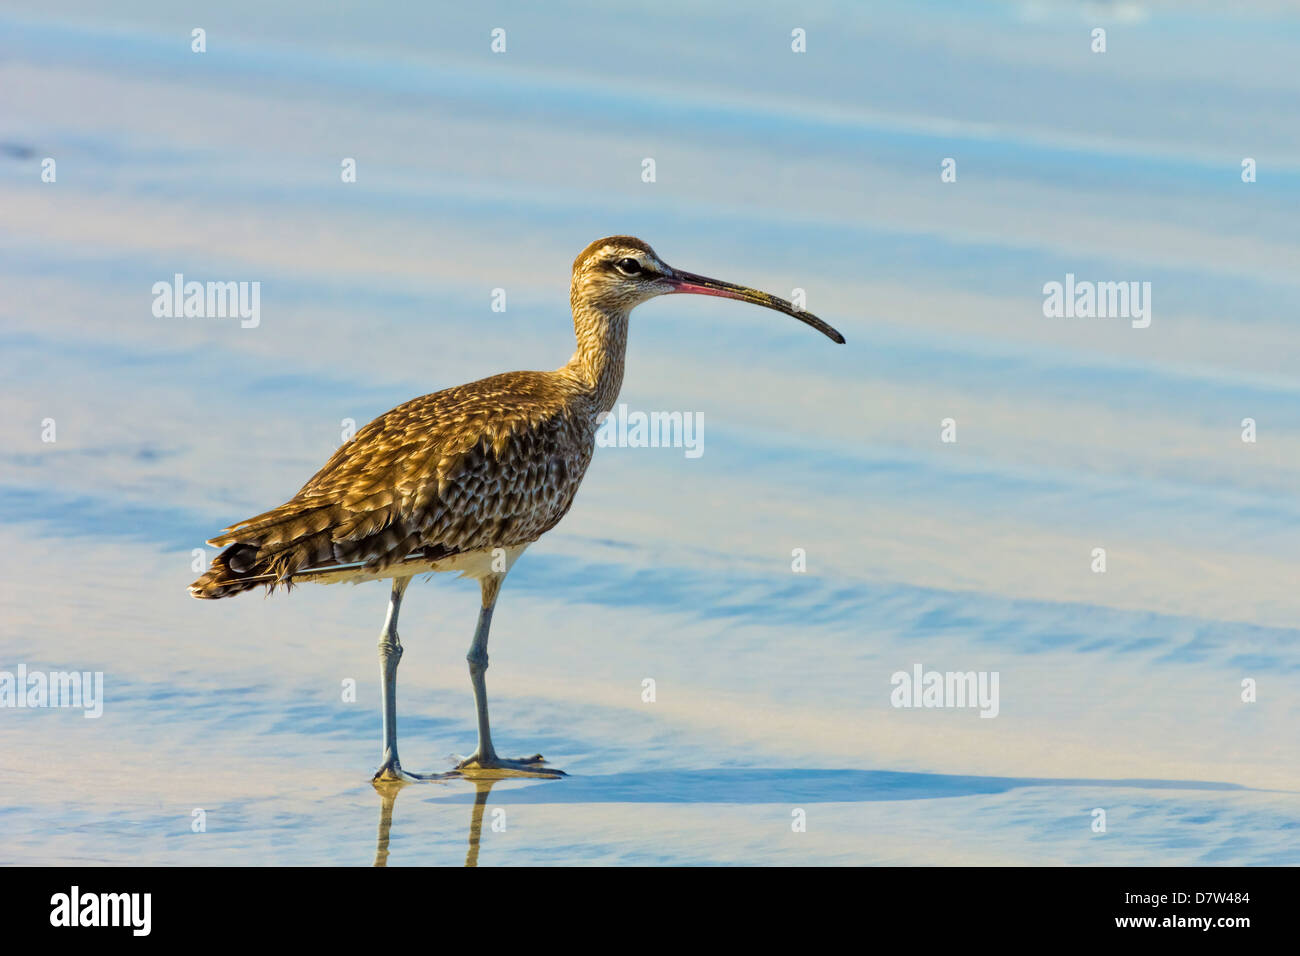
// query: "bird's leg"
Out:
[390,653]
[485,759]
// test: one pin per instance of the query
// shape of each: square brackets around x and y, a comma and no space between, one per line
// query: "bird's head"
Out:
[618,273]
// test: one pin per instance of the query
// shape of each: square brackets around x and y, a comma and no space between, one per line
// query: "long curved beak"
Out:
[689,283]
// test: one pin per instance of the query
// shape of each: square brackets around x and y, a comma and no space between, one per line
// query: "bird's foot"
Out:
[478,765]
[391,772]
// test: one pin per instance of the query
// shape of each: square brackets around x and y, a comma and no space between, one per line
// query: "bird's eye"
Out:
[629,267]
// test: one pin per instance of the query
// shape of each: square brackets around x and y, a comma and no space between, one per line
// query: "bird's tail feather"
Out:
[233,571]
[246,565]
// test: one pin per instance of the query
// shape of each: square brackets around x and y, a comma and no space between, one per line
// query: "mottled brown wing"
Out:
[489,464]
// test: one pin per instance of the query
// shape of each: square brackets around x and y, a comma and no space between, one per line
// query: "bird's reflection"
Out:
[481,790]
[388,791]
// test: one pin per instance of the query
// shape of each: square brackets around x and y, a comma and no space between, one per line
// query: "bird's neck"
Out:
[597,365]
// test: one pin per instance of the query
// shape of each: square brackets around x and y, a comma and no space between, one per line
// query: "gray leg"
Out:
[478,665]
[390,653]
[485,756]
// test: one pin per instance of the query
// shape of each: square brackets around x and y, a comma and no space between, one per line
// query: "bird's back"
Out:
[494,463]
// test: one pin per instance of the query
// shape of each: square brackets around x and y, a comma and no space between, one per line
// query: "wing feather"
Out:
[490,464]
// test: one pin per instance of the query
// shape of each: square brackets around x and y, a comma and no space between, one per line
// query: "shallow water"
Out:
[1119,691]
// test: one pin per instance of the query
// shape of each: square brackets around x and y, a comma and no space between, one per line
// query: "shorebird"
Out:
[464,480]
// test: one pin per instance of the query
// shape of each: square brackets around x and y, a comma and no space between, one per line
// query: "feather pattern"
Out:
[494,463]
